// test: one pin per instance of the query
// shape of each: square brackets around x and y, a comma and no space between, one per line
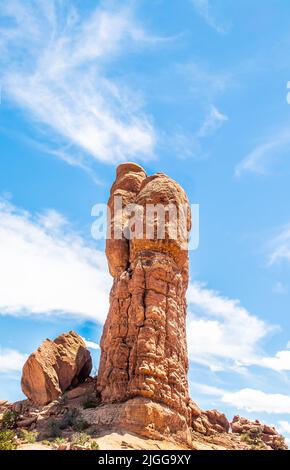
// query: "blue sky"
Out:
[194,88]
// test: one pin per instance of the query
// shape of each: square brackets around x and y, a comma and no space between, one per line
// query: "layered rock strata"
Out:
[144,362]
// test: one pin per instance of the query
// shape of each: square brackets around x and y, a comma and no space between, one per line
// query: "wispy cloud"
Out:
[259,159]
[214,120]
[54,66]
[203,87]
[205,10]
[222,334]
[91,344]
[279,246]
[191,145]
[11,360]
[47,268]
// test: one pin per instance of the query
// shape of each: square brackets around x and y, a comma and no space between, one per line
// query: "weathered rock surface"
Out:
[54,367]
[256,431]
[143,346]
[104,426]
[208,422]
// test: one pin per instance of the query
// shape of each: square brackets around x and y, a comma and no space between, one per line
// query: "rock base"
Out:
[143,417]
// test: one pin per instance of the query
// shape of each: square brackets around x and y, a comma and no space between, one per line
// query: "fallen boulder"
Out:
[55,366]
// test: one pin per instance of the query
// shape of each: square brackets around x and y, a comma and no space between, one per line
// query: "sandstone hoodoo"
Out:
[144,364]
[140,398]
[54,367]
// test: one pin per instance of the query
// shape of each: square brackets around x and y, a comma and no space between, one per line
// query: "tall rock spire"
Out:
[144,359]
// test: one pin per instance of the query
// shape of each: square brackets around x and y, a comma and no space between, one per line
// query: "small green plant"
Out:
[29,436]
[254,438]
[9,419]
[58,441]
[80,438]
[94,445]
[7,440]
[46,442]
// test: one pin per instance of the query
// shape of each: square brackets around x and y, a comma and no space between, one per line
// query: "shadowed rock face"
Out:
[54,367]
[143,346]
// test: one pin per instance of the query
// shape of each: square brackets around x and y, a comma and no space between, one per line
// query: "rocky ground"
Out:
[68,424]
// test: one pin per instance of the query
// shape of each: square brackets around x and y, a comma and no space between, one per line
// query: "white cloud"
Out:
[206,389]
[279,247]
[54,66]
[214,120]
[221,333]
[204,9]
[284,427]
[190,145]
[47,268]
[257,401]
[259,159]
[11,360]
[249,399]
[91,344]
[279,362]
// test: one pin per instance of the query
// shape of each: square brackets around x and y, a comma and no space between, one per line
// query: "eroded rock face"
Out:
[255,430]
[210,422]
[54,367]
[143,346]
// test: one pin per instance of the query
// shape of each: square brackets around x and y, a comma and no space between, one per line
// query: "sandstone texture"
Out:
[54,367]
[257,431]
[65,416]
[143,346]
[208,422]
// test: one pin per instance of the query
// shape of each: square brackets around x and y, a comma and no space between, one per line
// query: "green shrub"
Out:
[29,436]
[80,438]
[9,419]
[94,445]
[58,441]
[253,438]
[7,440]
[46,443]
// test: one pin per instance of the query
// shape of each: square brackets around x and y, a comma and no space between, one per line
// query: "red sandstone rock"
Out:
[143,346]
[209,422]
[265,433]
[54,367]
